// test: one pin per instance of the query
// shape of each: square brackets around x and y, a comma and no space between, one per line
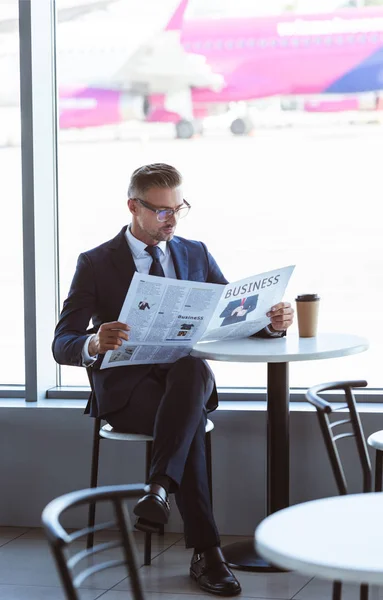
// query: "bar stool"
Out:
[337,429]
[106,432]
[376,441]
[73,566]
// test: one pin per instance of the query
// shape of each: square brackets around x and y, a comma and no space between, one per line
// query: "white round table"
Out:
[277,353]
[333,538]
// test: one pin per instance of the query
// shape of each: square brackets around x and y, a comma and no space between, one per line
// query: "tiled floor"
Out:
[27,572]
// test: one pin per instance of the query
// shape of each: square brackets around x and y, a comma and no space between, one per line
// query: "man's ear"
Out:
[132,205]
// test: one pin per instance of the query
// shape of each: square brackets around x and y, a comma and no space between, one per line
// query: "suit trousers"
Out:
[170,404]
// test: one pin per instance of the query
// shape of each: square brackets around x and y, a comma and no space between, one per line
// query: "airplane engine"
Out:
[95,107]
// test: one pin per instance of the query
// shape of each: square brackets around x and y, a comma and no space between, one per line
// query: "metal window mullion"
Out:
[39,190]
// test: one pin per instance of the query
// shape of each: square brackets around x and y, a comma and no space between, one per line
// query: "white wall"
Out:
[46,452]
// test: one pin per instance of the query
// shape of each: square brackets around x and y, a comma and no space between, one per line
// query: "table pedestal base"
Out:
[242,555]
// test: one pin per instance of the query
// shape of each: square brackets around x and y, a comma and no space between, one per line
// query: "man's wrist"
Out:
[92,349]
[274,332]
[87,358]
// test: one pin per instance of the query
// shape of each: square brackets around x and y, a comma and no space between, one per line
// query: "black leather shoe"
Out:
[146,526]
[154,506]
[213,575]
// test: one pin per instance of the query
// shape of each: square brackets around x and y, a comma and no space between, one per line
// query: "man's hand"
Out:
[281,316]
[108,337]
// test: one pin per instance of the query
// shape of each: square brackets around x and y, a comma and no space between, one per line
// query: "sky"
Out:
[154,8]
[147,17]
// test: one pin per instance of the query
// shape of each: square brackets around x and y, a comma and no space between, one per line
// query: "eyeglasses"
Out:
[163,214]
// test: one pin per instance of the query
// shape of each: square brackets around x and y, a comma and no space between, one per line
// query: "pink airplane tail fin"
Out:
[176,20]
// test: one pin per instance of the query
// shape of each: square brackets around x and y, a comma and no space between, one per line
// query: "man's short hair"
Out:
[154,175]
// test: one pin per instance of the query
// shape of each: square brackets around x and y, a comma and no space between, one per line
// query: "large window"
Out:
[301,185]
[11,257]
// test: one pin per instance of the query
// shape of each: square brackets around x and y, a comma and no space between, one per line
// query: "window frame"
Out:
[39,134]
[38,108]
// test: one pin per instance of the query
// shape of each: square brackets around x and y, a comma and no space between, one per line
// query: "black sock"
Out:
[162,480]
[202,550]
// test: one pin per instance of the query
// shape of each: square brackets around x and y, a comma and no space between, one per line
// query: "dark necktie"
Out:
[155,267]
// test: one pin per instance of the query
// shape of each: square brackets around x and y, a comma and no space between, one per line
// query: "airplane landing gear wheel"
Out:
[184,130]
[241,126]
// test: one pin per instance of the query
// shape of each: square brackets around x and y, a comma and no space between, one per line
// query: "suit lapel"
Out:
[122,259]
[180,258]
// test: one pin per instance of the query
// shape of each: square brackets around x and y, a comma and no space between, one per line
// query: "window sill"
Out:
[12,391]
[232,394]
[225,405]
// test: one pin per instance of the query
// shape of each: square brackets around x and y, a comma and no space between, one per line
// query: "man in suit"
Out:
[143,304]
[169,401]
[236,310]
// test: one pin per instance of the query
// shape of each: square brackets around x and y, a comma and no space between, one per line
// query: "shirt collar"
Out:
[138,248]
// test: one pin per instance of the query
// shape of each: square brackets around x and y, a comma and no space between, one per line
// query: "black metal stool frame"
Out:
[60,539]
[378,470]
[94,481]
[149,444]
[324,409]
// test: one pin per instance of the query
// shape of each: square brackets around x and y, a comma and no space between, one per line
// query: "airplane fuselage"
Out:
[341,52]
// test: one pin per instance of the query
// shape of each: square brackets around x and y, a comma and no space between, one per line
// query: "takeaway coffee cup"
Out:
[307,312]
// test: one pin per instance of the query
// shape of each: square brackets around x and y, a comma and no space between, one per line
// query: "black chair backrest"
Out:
[331,438]
[60,540]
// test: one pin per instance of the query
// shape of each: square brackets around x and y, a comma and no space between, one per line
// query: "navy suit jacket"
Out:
[97,293]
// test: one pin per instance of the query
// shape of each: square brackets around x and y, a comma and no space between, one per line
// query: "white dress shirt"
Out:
[143,261]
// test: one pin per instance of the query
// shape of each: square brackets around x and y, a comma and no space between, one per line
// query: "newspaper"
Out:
[167,317]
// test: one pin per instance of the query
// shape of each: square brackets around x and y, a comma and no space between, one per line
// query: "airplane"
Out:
[287,55]
[100,86]
[338,53]
[217,61]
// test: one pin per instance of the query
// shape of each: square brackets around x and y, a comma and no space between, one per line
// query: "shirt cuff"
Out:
[88,360]
[275,334]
